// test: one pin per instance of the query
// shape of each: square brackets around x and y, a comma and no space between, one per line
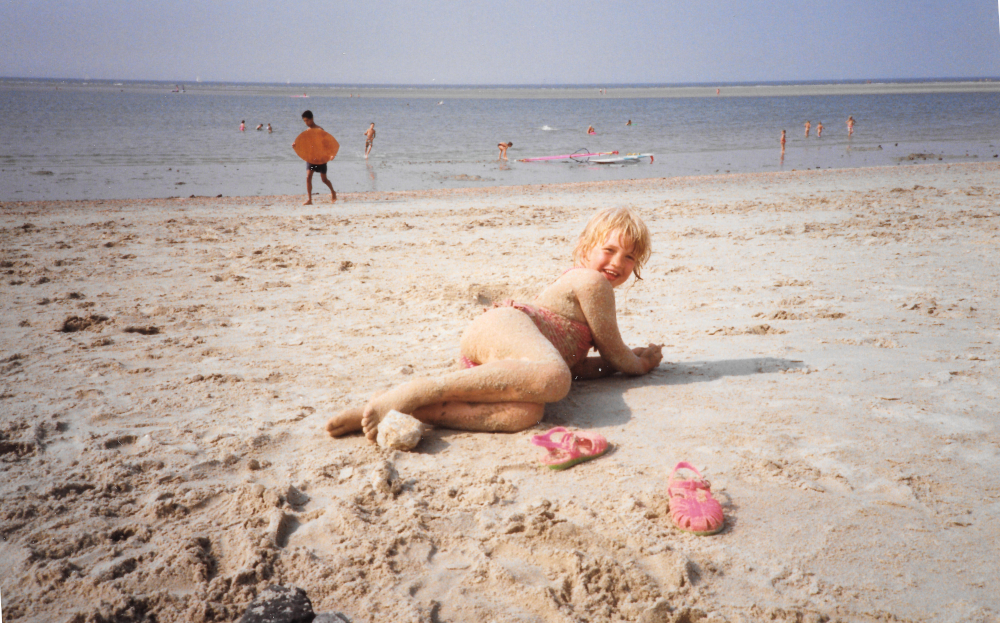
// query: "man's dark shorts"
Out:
[318,168]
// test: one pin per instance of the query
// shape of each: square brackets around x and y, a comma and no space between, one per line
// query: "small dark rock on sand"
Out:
[76,323]
[280,604]
[150,330]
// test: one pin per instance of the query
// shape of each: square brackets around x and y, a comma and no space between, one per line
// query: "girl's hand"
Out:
[650,356]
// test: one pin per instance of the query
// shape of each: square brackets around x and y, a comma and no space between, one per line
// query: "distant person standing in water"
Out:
[369,139]
[819,129]
[782,142]
[850,126]
[307,118]
[503,149]
[260,126]
[243,125]
[629,122]
[269,130]
[808,125]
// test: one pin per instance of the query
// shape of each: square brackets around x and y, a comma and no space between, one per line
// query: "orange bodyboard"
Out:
[316,146]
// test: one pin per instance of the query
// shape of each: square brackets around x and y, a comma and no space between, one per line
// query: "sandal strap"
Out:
[687,466]
[682,486]
[572,445]
[545,441]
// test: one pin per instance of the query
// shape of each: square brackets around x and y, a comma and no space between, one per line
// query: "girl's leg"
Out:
[492,417]
[518,366]
[489,417]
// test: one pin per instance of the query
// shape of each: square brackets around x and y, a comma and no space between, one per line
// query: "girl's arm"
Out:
[597,301]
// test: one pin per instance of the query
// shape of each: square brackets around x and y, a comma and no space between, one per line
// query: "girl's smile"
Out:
[613,259]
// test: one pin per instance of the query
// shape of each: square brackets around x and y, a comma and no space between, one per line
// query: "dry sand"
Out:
[832,339]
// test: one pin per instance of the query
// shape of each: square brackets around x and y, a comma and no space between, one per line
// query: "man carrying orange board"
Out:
[317,148]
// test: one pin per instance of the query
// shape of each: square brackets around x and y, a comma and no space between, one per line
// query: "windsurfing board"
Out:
[629,159]
[568,156]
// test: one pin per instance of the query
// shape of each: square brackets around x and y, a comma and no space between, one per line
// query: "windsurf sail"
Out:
[580,154]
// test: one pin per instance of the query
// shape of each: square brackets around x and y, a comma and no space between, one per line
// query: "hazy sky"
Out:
[499,41]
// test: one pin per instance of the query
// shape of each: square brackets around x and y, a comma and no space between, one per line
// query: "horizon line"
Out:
[568,85]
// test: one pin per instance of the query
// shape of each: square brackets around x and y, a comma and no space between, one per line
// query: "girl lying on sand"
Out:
[517,356]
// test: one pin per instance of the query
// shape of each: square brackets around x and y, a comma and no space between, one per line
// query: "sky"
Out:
[448,42]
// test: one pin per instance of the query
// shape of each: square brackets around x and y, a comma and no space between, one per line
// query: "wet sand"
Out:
[167,367]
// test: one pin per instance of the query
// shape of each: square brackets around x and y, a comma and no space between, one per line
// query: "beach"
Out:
[830,365]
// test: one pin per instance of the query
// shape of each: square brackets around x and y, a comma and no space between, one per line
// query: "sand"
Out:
[167,367]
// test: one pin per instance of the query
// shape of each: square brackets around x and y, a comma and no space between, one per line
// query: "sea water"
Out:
[101,140]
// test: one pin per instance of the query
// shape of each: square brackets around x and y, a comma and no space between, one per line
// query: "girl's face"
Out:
[613,259]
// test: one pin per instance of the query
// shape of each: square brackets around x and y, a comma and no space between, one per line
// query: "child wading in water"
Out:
[519,356]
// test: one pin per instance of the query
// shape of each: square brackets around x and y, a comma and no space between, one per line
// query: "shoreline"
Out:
[654,183]
[831,357]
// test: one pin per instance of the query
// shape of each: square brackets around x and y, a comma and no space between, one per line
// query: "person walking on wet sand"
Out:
[503,149]
[369,139]
[307,118]
[850,126]
[782,142]
[243,125]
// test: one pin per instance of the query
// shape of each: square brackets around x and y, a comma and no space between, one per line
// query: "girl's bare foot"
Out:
[380,406]
[347,421]
[370,420]
[404,398]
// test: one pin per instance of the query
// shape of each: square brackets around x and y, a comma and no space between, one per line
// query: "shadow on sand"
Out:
[607,396]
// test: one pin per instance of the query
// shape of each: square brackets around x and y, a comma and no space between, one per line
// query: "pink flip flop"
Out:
[692,507]
[572,448]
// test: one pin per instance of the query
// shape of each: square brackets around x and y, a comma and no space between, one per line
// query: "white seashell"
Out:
[399,431]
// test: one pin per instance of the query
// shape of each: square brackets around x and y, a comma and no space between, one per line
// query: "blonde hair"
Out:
[600,226]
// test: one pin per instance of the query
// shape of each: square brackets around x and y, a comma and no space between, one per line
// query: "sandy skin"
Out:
[520,369]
